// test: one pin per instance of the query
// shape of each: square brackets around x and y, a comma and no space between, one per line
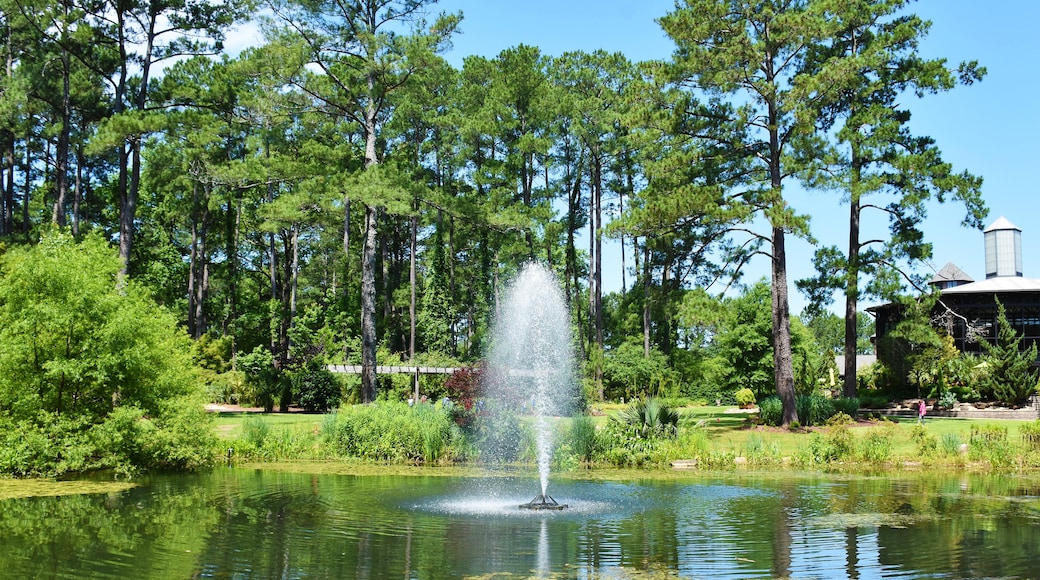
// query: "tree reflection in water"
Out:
[266,523]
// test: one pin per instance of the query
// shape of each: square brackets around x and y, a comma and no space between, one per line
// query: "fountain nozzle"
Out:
[543,502]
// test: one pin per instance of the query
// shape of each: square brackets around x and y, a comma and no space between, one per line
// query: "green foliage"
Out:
[93,372]
[770,411]
[950,444]
[625,445]
[316,388]
[500,436]
[262,380]
[1012,377]
[629,374]
[876,446]
[649,419]
[927,443]
[745,397]
[391,432]
[812,410]
[947,400]
[847,405]
[1030,435]
[582,438]
[990,443]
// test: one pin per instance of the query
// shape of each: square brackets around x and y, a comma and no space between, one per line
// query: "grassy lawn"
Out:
[725,431]
[732,431]
[229,425]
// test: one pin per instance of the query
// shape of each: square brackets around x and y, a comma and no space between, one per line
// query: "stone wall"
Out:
[965,411]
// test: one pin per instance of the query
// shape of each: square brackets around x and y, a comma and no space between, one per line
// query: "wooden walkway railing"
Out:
[394,370]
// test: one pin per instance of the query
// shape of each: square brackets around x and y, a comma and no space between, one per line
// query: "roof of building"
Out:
[997,284]
[1002,223]
[951,273]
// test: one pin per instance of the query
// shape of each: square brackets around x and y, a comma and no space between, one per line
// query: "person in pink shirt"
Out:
[921,410]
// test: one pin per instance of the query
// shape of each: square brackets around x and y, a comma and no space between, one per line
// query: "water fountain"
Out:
[532,358]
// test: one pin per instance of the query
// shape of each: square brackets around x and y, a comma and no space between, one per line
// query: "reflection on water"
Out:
[238,523]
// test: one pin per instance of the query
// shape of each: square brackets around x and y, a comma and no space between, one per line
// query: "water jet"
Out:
[531,361]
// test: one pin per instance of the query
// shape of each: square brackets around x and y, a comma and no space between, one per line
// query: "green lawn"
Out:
[732,430]
[726,431]
[229,425]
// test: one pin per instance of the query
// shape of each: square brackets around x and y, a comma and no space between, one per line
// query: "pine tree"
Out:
[1012,378]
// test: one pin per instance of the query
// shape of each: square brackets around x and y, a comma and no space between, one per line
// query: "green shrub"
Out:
[770,410]
[927,443]
[947,400]
[392,432]
[814,409]
[814,451]
[990,443]
[649,418]
[93,373]
[582,438]
[255,431]
[876,446]
[316,388]
[847,405]
[840,443]
[1030,434]
[501,437]
[745,397]
[690,443]
[625,445]
[950,444]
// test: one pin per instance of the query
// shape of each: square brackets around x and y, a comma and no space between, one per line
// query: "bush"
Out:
[849,406]
[950,444]
[990,443]
[1030,434]
[770,410]
[629,373]
[812,410]
[500,436]
[317,389]
[745,398]
[947,400]
[94,374]
[649,418]
[392,432]
[876,446]
[582,438]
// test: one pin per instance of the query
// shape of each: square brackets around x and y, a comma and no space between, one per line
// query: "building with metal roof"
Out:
[968,309]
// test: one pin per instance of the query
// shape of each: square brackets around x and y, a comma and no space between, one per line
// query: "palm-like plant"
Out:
[650,417]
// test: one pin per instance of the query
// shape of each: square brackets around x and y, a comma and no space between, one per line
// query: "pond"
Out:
[270,523]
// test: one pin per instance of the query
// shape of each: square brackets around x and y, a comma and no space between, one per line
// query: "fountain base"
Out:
[543,502]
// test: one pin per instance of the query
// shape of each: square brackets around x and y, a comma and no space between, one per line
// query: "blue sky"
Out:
[989,128]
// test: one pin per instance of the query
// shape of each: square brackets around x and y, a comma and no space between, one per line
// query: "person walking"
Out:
[921,410]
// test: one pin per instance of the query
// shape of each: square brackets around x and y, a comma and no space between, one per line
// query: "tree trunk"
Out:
[783,365]
[77,193]
[646,298]
[368,263]
[851,299]
[368,307]
[782,358]
[412,282]
[61,154]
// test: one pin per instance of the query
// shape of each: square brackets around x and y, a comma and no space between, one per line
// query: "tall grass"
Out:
[811,409]
[582,438]
[391,432]
[990,443]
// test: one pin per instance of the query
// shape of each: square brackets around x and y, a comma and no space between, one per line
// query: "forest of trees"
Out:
[341,193]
